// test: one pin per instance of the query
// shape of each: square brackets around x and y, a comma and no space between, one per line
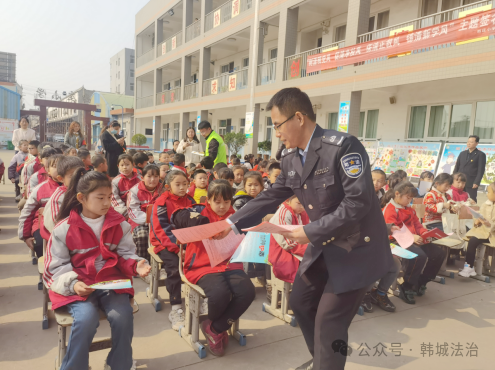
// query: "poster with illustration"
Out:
[372,148]
[451,152]
[414,158]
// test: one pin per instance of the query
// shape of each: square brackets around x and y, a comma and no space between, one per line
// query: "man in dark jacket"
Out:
[472,163]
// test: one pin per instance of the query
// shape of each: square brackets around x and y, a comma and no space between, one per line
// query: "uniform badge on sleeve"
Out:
[352,164]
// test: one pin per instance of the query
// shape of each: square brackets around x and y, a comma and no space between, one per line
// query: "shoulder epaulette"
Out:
[333,137]
[287,152]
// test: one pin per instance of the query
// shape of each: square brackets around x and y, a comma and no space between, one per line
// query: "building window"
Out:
[118,74]
[333,119]
[222,129]
[166,86]
[242,125]
[377,22]
[361,124]
[372,124]
[131,86]
[340,33]
[165,134]
[227,68]
[273,54]
[269,129]
[118,90]
[429,7]
[118,62]
[417,122]
[131,72]
[176,131]
[485,119]
[439,121]
[245,63]
[177,83]
[460,119]
[148,131]
[132,59]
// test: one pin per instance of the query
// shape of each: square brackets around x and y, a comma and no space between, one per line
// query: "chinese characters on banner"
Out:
[295,68]
[344,116]
[216,18]
[472,11]
[174,42]
[470,27]
[172,96]
[164,48]
[163,98]
[236,8]
[214,87]
[232,82]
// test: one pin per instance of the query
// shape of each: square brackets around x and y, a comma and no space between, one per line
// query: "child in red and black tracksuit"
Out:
[437,201]
[17,160]
[164,242]
[141,196]
[42,174]
[140,161]
[30,221]
[123,182]
[430,256]
[228,288]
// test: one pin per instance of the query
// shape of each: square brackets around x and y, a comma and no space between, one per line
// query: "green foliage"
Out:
[235,141]
[265,146]
[138,139]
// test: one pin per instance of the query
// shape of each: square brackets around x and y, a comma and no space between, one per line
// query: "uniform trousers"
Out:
[173,282]
[323,316]
[473,193]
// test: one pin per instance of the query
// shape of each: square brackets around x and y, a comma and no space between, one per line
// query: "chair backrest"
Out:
[420,210]
[464,213]
[418,201]
[149,209]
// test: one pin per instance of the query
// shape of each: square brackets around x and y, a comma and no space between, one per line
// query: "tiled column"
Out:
[184,124]
[358,14]
[187,18]
[158,84]
[204,67]
[157,132]
[286,46]
[185,75]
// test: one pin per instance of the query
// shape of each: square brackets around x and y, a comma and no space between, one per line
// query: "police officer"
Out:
[329,172]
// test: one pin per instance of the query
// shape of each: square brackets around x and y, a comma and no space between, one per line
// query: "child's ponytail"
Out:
[403,188]
[70,199]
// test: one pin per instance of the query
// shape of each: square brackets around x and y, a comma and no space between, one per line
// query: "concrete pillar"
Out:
[185,74]
[187,17]
[184,124]
[354,110]
[252,144]
[358,14]
[158,80]
[159,32]
[286,45]
[204,67]
[157,132]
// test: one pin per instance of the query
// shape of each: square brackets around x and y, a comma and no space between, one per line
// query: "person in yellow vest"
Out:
[215,147]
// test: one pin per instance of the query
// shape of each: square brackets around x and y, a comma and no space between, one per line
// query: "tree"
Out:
[139,139]
[265,146]
[235,141]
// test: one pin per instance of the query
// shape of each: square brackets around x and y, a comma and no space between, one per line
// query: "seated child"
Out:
[99,163]
[217,168]
[379,180]
[238,177]
[66,166]
[430,256]
[131,152]
[140,161]
[17,160]
[180,162]
[274,171]
[123,182]
[393,180]
[139,198]
[30,220]
[263,168]
[164,242]
[236,162]
[41,175]
[164,170]
[253,185]
[232,157]
[457,193]
[207,164]
[71,151]
[199,186]
[32,163]
[163,158]
[86,216]
[437,201]
[229,290]
[151,158]
[226,174]
[85,156]
[427,178]
[483,232]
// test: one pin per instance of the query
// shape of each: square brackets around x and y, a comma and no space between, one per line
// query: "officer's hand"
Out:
[475,186]
[394,228]
[297,235]
[222,234]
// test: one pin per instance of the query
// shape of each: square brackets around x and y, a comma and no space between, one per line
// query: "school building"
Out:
[415,70]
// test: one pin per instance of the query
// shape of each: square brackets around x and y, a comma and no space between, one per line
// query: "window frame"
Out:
[365,123]
[375,21]
[335,32]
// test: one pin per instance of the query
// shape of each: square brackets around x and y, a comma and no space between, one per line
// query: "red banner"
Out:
[473,26]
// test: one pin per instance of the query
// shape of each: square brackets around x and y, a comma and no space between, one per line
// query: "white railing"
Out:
[168,96]
[225,13]
[193,30]
[295,65]
[267,72]
[145,58]
[222,82]
[191,91]
[422,22]
[144,102]
[167,45]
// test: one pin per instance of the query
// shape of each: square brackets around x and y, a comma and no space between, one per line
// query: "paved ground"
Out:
[460,313]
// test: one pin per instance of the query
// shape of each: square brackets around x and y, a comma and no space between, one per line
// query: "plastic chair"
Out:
[190,331]
[280,290]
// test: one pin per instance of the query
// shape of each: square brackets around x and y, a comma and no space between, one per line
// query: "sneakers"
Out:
[382,301]
[467,271]
[18,198]
[177,318]
[421,291]
[203,308]
[107,367]
[366,304]
[215,341]
[163,274]
[406,295]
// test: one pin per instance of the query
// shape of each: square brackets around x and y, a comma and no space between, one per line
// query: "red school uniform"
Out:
[399,215]
[138,199]
[121,186]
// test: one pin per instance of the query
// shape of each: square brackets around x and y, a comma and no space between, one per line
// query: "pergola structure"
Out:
[87,108]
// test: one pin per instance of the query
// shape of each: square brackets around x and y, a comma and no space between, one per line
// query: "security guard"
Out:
[349,249]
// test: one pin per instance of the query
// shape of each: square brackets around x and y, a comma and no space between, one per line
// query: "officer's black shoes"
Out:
[366,303]
[306,366]
[382,301]
[406,295]
[421,290]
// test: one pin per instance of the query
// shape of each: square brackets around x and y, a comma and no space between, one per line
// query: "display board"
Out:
[7,127]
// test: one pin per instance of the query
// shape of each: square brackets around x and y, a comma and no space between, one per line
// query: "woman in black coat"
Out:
[114,145]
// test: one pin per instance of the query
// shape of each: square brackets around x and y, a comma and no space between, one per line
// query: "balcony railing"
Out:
[223,85]
[267,72]
[422,22]
[295,65]
[224,13]
[145,58]
[168,45]
[191,91]
[168,96]
[144,102]
[193,30]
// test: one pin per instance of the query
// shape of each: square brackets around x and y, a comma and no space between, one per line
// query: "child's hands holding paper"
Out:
[418,240]
[143,268]
[82,289]
[477,222]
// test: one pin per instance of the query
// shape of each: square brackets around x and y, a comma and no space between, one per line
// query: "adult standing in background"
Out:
[472,162]
[114,145]
[190,144]
[74,136]
[23,133]
[214,143]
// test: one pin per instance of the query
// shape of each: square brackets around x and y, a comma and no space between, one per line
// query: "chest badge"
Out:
[321,171]
[352,164]
[292,173]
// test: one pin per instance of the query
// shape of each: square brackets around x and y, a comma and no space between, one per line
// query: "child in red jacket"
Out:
[139,198]
[42,174]
[123,182]
[164,242]
[437,201]
[229,290]
[92,243]
[398,212]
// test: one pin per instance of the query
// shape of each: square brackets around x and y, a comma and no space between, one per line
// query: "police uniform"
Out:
[472,164]
[349,247]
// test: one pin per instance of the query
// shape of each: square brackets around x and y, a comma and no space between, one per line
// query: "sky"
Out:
[65,44]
